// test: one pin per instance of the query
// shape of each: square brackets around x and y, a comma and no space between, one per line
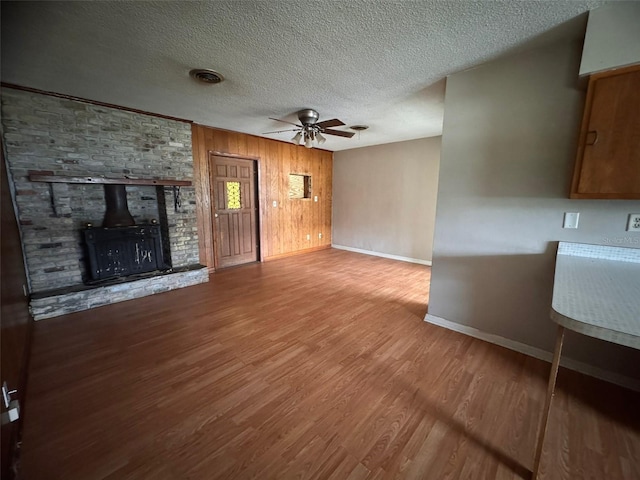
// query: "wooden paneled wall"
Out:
[283,229]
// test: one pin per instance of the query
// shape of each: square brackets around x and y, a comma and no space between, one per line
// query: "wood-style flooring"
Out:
[315,366]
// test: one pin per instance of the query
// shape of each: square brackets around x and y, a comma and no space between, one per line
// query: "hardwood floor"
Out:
[315,366]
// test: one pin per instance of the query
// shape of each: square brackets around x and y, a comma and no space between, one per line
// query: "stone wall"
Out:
[71,138]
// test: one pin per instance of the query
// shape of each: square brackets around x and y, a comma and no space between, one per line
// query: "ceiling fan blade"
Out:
[339,133]
[284,121]
[281,131]
[330,123]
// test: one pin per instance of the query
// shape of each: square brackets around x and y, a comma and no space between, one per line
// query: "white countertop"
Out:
[596,292]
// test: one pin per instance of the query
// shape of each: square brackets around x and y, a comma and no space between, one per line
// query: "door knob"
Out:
[6,394]
[215,215]
[12,406]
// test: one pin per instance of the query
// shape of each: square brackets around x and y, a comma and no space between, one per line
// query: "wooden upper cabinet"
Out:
[608,161]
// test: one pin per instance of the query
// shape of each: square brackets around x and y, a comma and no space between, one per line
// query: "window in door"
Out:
[233,196]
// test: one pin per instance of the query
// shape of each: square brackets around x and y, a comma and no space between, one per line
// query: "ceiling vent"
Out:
[206,75]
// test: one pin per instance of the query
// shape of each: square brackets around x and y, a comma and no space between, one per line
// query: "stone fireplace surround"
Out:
[67,138]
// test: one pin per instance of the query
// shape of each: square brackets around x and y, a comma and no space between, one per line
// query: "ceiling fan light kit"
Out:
[297,138]
[310,130]
[307,142]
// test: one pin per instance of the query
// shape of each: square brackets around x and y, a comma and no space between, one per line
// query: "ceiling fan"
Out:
[311,130]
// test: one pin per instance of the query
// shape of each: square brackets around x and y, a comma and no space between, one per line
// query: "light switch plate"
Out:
[571,220]
[633,225]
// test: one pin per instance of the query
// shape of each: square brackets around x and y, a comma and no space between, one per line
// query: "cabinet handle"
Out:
[594,137]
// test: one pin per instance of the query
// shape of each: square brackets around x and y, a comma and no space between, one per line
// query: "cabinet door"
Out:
[608,163]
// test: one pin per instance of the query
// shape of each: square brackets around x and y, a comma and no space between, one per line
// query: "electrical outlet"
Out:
[315,198]
[571,220]
[633,225]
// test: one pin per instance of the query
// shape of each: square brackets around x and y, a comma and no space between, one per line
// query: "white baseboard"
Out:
[384,255]
[581,367]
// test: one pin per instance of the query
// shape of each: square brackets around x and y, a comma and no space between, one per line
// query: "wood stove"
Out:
[122,251]
[120,248]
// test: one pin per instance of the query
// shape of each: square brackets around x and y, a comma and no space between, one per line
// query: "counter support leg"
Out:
[542,429]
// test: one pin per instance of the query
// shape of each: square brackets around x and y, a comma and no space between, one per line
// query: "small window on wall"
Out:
[299,186]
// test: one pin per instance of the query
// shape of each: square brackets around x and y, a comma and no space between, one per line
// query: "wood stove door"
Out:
[234,209]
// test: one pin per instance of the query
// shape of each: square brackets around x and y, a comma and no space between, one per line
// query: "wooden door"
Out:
[15,323]
[234,210]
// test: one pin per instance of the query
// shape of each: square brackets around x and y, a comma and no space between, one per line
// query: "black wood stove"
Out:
[120,248]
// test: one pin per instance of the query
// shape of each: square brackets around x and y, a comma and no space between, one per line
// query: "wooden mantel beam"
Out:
[50,177]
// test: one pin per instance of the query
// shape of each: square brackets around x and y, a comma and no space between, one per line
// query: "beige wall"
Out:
[384,198]
[508,147]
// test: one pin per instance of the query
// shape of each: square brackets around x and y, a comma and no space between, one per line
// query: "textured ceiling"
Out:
[379,63]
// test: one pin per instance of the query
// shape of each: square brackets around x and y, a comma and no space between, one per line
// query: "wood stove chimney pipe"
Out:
[117,214]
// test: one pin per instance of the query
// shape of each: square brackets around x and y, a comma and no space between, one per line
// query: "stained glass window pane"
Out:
[233,195]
